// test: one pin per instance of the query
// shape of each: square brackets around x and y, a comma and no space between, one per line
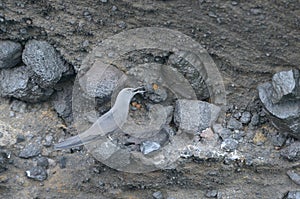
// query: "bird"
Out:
[111,121]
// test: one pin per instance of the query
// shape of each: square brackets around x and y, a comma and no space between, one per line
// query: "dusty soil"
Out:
[249,41]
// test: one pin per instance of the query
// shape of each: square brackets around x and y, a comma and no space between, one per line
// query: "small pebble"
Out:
[246,117]
[63,162]
[20,138]
[149,146]
[37,173]
[30,150]
[234,124]
[158,195]
[43,162]
[211,193]
[229,145]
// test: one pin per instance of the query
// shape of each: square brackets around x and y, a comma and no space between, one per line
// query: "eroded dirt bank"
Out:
[249,42]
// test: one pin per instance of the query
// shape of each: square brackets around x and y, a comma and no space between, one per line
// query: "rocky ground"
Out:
[246,156]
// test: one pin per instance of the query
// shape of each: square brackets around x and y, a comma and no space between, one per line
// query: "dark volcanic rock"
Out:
[45,63]
[194,116]
[234,124]
[37,173]
[10,54]
[285,115]
[229,144]
[30,150]
[17,82]
[43,162]
[286,86]
[3,160]
[246,117]
[291,152]
[100,81]
[62,101]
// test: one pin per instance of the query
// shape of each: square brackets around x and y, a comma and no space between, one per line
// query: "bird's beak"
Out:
[140,89]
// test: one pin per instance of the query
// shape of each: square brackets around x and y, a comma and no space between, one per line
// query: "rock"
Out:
[255,120]
[48,140]
[292,152]
[295,177]
[43,162]
[191,74]
[10,54]
[8,135]
[286,86]
[4,157]
[229,145]
[100,82]
[30,150]
[224,133]
[246,117]
[20,138]
[193,116]
[62,101]
[234,124]
[278,139]
[159,95]
[62,162]
[292,195]
[211,194]
[238,135]
[37,173]
[284,115]
[149,146]
[158,195]
[44,62]
[17,82]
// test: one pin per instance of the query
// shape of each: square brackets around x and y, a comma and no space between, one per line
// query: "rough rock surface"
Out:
[10,54]
[17,82]
[44,62]
[194,116]
[30,150]
[292,152]
[284,114]
[286,86]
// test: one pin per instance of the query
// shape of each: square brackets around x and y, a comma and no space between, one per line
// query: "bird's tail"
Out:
[71,142]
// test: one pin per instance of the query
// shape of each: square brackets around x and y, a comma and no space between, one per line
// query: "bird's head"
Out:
[126,94]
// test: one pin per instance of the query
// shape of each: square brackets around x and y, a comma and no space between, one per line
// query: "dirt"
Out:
[249,42]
